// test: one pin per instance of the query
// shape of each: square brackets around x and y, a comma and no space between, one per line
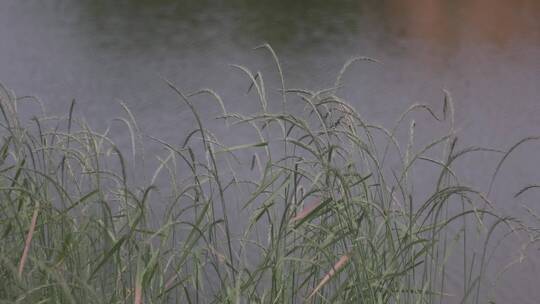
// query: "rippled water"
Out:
[485,52]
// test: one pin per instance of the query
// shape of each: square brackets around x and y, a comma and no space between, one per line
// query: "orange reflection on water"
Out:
[445,23]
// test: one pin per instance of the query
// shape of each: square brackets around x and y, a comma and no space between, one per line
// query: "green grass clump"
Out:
[321,207]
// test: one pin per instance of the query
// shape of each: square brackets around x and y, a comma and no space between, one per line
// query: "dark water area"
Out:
[486,53]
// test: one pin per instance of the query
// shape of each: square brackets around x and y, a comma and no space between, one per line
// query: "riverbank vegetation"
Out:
[318,206]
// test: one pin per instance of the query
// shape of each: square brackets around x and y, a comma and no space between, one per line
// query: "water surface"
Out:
[486,53]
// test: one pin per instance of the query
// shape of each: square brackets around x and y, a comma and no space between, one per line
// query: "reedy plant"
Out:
[314,210]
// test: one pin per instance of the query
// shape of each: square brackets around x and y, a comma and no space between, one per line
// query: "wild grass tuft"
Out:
[320,206]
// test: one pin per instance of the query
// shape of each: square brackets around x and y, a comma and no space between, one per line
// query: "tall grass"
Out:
[319,206]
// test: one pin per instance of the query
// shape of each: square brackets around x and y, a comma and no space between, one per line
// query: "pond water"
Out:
[485,52]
